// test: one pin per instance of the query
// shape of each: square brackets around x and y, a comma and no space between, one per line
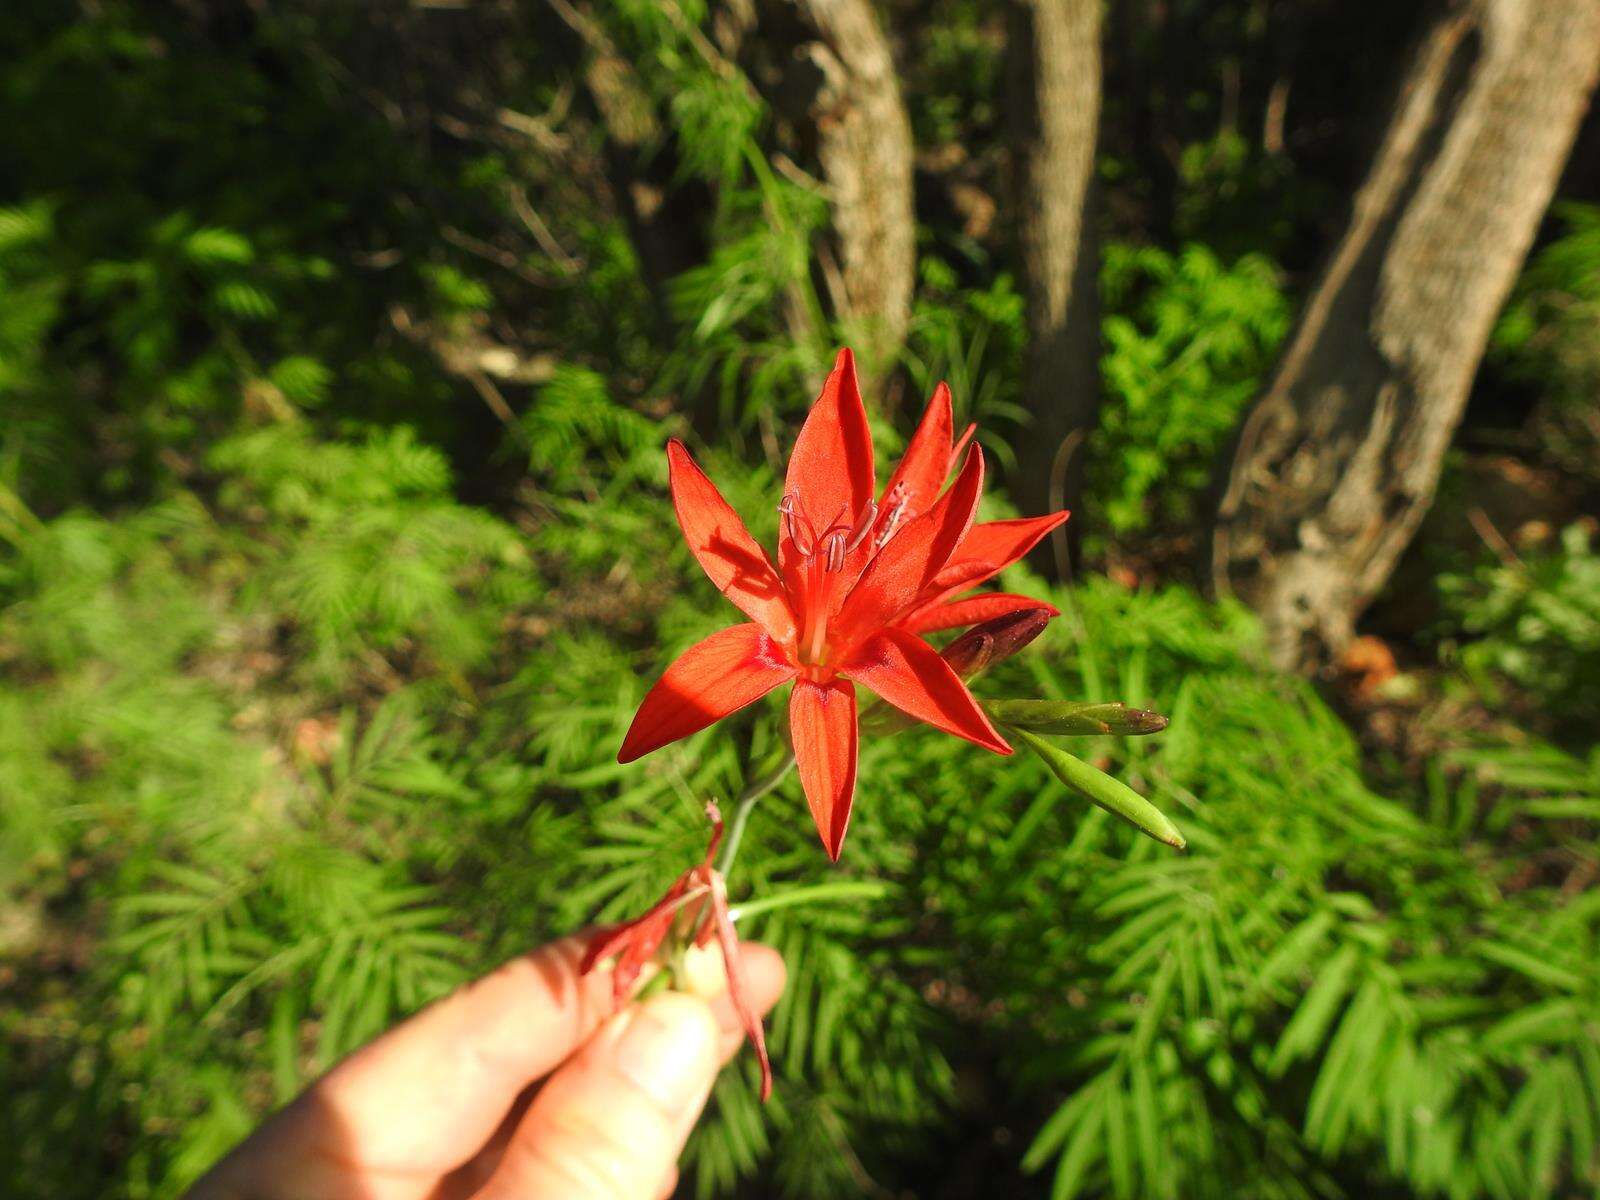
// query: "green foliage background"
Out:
[313,663]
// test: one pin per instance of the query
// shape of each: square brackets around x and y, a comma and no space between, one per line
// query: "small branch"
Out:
[708,53]
[530,217]
[541,130]
[798,175]
[1493,538]
[502,258]
[497,405]
[463,353]
[583,26]
[1272,125]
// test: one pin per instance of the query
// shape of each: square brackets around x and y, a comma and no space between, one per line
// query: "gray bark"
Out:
[1055,112]
[865,149]
[1338,461]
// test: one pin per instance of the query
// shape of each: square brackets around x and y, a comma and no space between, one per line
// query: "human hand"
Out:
[450,1104]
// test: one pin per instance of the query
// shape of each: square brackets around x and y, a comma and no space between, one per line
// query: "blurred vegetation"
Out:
[335,554]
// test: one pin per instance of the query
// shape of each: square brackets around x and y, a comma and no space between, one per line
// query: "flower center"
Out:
[822,560]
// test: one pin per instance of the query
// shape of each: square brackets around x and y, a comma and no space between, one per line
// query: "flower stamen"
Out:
[795,522]
[898,500]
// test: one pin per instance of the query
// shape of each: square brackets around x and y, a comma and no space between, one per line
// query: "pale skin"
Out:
[530,1083]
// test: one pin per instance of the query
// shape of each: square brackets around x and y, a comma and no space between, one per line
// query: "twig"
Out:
[582,26]
[492,253]
[497,404]
[530,217]
[541,130]
[713,57]
[1493,538]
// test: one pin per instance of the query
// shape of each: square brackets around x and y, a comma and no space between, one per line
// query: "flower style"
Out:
[698,898]
[856,581]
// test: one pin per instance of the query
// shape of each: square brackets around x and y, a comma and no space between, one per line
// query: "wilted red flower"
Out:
[857,580]
[700,898]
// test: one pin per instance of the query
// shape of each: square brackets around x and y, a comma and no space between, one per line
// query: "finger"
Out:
[765,973]
[765,976]
[610,1123]
[425,1097]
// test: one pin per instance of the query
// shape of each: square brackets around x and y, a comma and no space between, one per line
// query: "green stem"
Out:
[741,812]
[858,889]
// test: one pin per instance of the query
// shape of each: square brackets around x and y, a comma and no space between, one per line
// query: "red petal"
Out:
[993,546]
[926,464]
[970,611]
[732,558]
[633,942]
[822,722]
[603,943]
[738,987]
[909,562]
[830,470]
[709,680]
[909,674]
[714,814]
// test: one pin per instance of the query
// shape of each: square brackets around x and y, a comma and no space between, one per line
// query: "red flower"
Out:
[856,580]
[701,894]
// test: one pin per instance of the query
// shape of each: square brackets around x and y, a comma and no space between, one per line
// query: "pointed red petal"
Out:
[926,463]
[603,943]
[714,815]
[971,610]
[733,559]
[830,469]
[709,680]
[738,986]
[993,546]
[909,674]
[633,942]
[909,562]
[822,722]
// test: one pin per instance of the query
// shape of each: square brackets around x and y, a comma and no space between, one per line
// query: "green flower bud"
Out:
[1074,717]
[1095,786]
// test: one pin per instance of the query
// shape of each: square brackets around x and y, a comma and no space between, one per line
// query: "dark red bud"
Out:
[980,647]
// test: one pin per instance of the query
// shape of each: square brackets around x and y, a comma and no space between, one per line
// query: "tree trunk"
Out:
[1338,462]
[864,146]
[1055,114]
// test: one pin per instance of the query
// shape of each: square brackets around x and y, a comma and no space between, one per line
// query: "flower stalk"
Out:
[744,804]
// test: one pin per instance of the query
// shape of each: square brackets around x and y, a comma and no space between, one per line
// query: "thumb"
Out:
[610,1123]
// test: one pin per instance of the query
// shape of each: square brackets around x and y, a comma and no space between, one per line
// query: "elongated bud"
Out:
[980,647]
[1106,791]
[1074,717]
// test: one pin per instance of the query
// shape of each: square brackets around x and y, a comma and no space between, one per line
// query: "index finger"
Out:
[422,1099]
[445,1077]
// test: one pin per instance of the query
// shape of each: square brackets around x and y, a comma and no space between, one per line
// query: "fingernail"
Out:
[667,1049]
